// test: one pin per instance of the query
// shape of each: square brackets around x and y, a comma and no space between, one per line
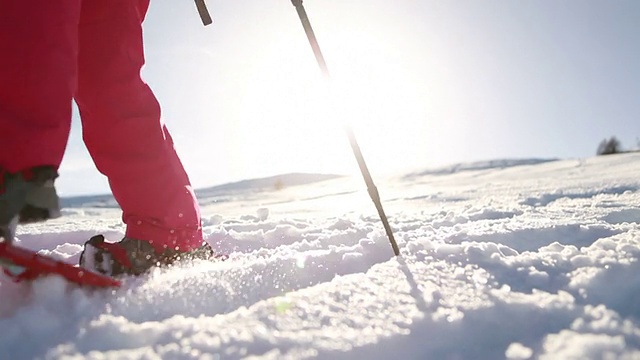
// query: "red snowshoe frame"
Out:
[23,265]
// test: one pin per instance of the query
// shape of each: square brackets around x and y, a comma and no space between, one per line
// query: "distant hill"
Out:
[276,182]
[480,165]
[272,183]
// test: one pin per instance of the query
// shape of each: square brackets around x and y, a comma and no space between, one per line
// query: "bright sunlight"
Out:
[302,116]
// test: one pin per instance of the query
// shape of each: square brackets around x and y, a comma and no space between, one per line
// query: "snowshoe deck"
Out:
[23,264]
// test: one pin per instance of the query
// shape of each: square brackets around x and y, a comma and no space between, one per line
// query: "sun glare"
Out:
[257,100]
[369,92]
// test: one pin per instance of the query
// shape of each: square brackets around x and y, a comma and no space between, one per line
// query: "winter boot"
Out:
[134,257]
[26,196]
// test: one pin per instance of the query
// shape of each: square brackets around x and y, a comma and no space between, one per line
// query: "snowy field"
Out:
[537,260]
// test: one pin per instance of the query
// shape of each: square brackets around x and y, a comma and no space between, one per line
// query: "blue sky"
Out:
[424,83]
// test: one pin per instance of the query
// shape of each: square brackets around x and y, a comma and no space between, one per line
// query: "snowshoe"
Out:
[22,265]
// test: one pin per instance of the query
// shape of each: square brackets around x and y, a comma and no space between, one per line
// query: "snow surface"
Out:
[518,262]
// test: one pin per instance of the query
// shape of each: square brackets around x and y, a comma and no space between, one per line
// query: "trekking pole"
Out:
[371,187]
[204,13]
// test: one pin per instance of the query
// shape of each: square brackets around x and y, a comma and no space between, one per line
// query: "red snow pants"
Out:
[52,52]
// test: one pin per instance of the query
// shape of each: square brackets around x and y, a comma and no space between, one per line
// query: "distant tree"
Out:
[278,184]
[609,146]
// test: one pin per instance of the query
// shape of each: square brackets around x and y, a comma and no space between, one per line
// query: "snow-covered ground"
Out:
[538,260]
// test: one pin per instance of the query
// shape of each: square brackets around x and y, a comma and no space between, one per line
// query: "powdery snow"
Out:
[538,260]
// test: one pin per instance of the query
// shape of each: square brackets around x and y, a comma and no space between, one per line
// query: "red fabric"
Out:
[118,252]
[92,50]
[38,49]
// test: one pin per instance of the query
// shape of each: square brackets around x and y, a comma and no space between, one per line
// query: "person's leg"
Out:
[124,133]
[38,48]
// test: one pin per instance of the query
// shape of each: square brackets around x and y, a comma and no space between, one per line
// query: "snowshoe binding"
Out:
[135,257]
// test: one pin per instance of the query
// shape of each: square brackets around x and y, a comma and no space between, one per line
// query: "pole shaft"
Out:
[204,13]
[306,24]
[371,187]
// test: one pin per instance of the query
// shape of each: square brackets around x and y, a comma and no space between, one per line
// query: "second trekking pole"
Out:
[371,187]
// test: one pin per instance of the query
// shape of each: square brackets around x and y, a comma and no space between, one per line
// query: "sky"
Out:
[423,83]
